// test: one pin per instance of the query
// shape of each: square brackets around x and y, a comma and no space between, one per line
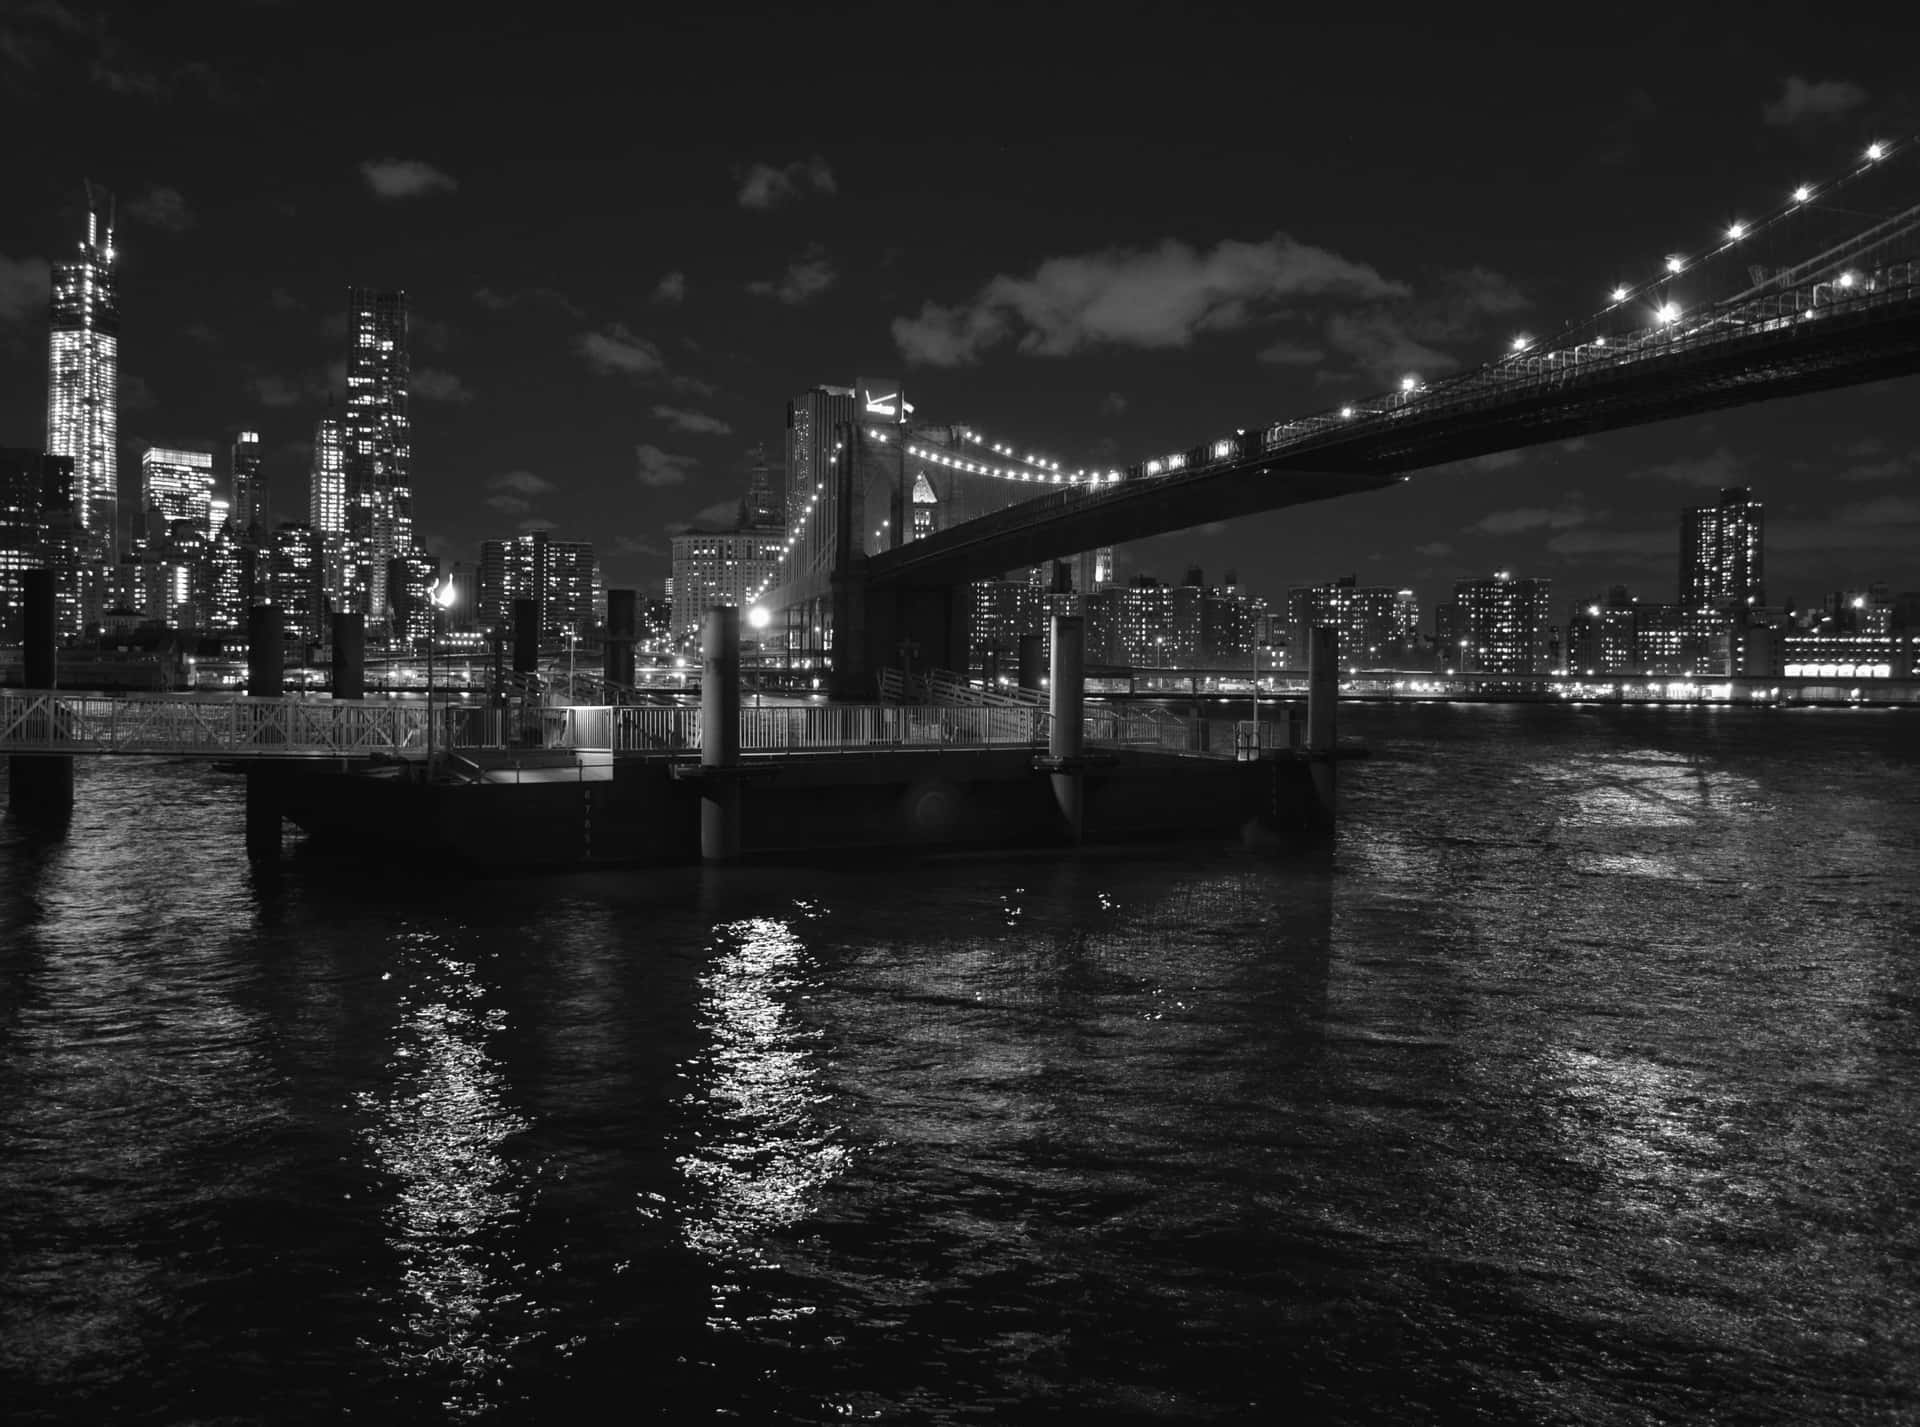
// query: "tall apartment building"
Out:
[1376,625]
[1721,557]
[560,576]
[1497,626]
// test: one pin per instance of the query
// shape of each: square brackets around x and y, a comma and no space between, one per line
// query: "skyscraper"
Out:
[83,407]
[178,485]
[249,492]
[327,512]
[1496,626]
[759,509]
[1720,553]
[378,444]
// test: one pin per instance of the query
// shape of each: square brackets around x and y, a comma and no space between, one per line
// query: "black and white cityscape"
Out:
[1126,714]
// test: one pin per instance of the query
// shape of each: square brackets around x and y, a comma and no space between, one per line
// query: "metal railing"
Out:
[215,727]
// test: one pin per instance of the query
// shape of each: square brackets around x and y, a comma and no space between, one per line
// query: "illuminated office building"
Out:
[327,515]
[177,485]
[295,581]
[718,567]
[377,444]
[815,422]
[247,494]
[83,380]
[1720,553]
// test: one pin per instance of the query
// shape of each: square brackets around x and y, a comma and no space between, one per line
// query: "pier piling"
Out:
[1323,692]
[350,655]
[40,785]
[266,679]
[622,628]
[720,735]
[1067,701]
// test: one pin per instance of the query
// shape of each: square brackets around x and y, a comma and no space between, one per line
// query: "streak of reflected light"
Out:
[765,1150]
[436,1130]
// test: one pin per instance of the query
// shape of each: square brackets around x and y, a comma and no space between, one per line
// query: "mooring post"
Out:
[622,630]
[1067,702]
[40,784]
[1323,691]
[720,735]
[266,679]
[350,655]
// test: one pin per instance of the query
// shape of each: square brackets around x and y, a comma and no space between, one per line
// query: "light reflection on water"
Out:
[436,1127]
[761,1145]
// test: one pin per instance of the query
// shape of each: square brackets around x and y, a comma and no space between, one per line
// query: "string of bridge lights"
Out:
[1668,311]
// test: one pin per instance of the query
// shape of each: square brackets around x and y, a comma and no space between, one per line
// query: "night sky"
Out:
[1100,233]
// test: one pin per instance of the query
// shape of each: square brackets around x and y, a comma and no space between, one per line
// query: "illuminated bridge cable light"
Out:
[1802,194]
[1620,294]
[1876,152]
[1736,231]
[1675,263]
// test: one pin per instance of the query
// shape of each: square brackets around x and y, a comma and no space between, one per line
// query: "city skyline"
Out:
[617,389]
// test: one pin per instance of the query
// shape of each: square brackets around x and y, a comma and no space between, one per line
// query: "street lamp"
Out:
[440,597]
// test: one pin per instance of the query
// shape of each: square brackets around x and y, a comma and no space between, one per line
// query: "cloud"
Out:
[1649,545]
[513,492]
[1889,523]
[164,208]
[671,288]
[1133,297]
[696,422]
[26,286]
[523,482]
[135,394]
[1388,342]
[627,545]
[806,277]
[536,523]
[500,301]
[1885,469]
[1530,517]
[405,178]
[434,384]
[1112,404]
[1820,99]
[616,351]
[764,186]
[272,389]
[283,300]
[1292,354]
[654,467]
[1722,468]
[1433,550]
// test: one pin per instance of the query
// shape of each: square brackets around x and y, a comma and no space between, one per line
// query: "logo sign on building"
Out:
[882,400]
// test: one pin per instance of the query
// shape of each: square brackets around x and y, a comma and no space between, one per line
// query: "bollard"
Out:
[1323,692]
[1067,701]
[40,785]
[622,628]
[266,653]
[720,735]
[350,655]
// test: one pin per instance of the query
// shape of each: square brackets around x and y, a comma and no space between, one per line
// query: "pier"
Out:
[529,784]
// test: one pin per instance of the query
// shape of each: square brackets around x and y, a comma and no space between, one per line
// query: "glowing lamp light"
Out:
[758,617]
[1876,152]
[1669,313]
[1600,341]
[1619,294]
[1802,194]
[1737,231]
[1675,263]
[1346,413]
[1846,279]
[1409,383]
[1520,344]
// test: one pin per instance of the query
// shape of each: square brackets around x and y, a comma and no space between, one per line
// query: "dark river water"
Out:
[1580,1083]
